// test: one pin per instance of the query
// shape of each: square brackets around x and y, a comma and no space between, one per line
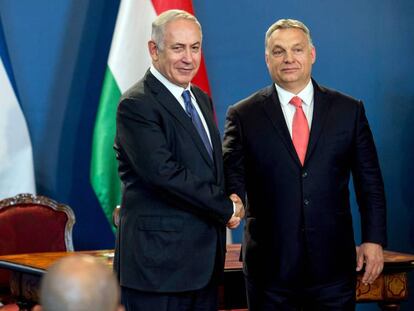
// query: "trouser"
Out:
[205,299]
[336,296]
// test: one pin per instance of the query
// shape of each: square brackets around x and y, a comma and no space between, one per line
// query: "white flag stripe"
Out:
[16,162]
[129,58]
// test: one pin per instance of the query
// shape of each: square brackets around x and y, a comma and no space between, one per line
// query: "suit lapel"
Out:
[169,102]
[320,111]
[273,110]
[204,105]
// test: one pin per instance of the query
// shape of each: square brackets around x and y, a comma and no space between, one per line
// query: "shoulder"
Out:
[134,92]
[199,93]
[334,95]
[202,97]
[145,89]
[255,100]
[339,102]
[137,100]
[140,94]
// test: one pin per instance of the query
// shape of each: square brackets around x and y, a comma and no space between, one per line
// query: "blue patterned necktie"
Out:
[195,118]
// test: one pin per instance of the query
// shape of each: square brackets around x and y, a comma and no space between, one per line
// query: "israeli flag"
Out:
[16,161]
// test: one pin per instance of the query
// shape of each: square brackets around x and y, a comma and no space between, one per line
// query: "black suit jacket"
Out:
[171,235]
[299,218]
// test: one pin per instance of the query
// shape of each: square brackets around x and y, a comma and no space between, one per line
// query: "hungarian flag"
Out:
[127,63]
[16,161]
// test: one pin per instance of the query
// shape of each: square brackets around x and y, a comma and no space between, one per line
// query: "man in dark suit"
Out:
[171,238]
[289,150]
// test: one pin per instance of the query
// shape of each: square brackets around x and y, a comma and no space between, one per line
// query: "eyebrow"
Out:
[301,44]
[183,44]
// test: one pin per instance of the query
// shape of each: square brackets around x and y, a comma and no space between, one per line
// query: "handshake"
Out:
[238,214]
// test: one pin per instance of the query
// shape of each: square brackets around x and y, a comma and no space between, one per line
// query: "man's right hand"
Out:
[236,218]
[239,212]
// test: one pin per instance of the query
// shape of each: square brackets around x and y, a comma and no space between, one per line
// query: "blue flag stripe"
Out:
[4,55]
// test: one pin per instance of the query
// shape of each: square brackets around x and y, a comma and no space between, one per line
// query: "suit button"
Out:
[306,202]
[304,174]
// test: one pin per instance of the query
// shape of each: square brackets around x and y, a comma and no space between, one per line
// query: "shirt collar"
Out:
[176,90]
[306,94]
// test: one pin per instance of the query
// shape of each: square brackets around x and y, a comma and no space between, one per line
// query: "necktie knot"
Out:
[186,96]
[187,102]
[296,101]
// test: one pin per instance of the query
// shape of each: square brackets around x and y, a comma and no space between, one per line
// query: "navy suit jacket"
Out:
[171,234]
[298,218]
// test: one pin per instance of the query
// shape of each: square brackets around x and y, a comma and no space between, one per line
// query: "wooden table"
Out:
[388,290]
[28,269]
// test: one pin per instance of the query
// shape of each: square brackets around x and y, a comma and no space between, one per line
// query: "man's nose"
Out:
[288,57]
[187,56]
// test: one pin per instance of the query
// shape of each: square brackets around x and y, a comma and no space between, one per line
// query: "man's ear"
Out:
[120,308]
[153,50]
[37,308]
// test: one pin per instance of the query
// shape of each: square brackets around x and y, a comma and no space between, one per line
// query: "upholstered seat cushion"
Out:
[32,224]
[31,229]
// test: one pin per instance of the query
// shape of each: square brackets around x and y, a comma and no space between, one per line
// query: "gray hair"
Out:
[158,25]
[286,24]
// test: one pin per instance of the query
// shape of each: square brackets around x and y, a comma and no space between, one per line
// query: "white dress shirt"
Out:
[289,110]
[177,92]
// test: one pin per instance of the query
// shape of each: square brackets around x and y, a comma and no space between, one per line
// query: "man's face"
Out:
[180,57]
[289,58]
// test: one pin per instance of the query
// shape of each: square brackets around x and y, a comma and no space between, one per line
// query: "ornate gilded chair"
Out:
[32,224]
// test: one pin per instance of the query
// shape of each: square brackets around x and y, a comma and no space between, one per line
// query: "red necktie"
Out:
[300,129]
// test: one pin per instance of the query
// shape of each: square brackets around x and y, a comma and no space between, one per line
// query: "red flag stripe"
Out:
[164,5]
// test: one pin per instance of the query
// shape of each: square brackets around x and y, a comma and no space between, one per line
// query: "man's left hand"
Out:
[234,222]
[372,255]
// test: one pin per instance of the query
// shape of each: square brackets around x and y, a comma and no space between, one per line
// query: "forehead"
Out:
[182,30]
[287,37]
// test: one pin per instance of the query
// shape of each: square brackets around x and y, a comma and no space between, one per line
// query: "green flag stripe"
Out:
[104,175]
